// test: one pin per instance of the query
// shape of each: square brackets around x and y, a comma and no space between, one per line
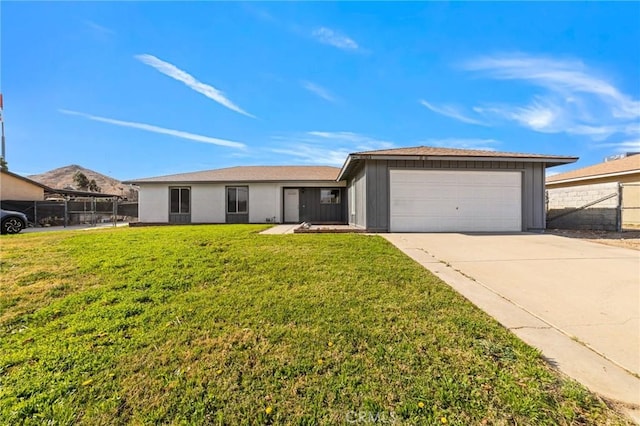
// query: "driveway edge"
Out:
[570,357]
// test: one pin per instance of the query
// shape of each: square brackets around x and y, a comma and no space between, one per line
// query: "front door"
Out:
[291,205]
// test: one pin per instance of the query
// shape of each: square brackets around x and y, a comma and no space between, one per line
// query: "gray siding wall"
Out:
[179,218]
[377,187]
[237,218]
[311,210]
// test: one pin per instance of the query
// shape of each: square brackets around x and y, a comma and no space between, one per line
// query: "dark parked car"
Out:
[12,222]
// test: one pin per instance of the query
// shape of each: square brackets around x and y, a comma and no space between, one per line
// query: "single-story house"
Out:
[603,196]
[19,188]
[251,194]
[420,189]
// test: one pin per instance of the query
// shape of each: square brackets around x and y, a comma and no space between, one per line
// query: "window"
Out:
[237,199]
[329,196]
[180,200]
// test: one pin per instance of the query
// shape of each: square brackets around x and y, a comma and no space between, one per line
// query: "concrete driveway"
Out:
[576,301]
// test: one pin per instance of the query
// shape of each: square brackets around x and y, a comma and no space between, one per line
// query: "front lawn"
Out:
[219,325]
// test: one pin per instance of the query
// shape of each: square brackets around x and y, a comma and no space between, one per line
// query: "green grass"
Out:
[219,325]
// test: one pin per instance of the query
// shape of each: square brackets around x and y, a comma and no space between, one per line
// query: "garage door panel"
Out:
[455,201]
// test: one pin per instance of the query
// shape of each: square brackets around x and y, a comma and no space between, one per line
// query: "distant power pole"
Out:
[4,154]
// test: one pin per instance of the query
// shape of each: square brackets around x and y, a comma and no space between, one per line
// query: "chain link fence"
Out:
[75,212]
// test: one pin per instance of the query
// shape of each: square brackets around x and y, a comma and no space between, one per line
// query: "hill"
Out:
[62,178]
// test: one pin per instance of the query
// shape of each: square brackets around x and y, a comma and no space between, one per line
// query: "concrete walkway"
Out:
[576,301]
[280,229]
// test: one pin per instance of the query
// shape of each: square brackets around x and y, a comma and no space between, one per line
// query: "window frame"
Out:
[333,200]
[180,190]
[237,200]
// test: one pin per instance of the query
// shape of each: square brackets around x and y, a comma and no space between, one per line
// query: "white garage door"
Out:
[455,201]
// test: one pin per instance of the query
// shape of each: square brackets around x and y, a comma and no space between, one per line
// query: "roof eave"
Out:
[600,176]
[182,182]
[345,167]
[548,161]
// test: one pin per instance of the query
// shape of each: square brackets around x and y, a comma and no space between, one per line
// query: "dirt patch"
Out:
[626,239]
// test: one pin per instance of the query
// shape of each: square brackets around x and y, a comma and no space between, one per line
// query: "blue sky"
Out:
[144,89]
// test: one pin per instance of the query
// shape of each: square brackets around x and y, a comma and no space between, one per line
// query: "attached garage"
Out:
[428,189]
[455,201]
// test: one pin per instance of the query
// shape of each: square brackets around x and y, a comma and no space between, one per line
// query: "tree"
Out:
[93,186]
[3,165]
[81,180]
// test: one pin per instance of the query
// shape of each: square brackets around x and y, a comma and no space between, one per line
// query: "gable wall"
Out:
[12,188]
[377,187]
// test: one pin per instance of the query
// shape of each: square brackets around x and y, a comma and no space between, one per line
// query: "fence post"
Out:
[66,211]
[93,211]
[35,213]
[114,209]
[619,209]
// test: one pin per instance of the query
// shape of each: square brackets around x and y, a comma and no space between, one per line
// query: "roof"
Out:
[436,153]
[249,174]
[622,166]
[432,151]
[76,193]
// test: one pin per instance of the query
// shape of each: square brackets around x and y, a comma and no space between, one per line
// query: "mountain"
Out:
[62,178]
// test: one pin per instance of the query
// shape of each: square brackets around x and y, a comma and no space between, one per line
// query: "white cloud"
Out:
[463,143]
[98,29]
[540,115]
[328,36]
[161,130]
[355,140]
[572,99]
[624,146]
[176,73]
[327,148]
[570,78]
[310,154]
[452,112]
[318,91]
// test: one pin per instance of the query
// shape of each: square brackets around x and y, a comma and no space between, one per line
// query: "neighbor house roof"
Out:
[435,153]
[623,166]
[76,193]
[33,182]
[249,174]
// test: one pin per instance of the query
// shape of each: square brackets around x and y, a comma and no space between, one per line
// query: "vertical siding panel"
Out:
[527,193]
[361,197]
[539,206]
[383,201]
[371,193]
[377,194]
